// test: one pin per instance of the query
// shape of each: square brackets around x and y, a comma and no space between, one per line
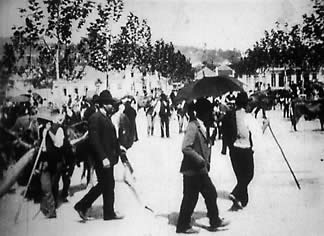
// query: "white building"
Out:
[280,78]
[225,70]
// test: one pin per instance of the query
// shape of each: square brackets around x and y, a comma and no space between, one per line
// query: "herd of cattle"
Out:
[297,106]
[18,136]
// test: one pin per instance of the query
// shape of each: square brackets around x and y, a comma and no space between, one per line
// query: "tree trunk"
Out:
[57,63]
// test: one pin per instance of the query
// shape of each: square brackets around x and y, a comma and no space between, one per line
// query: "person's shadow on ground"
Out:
[95,212]
[173,219]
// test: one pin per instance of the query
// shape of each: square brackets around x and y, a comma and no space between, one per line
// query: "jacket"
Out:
[196,150]
[103,139]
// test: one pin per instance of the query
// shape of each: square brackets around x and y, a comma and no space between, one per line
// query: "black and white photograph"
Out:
[161,117]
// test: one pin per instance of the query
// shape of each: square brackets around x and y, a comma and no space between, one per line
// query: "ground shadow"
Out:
[173,219]
[77,188]
[95,212]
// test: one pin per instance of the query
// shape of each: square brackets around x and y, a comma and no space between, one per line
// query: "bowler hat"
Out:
[106,98]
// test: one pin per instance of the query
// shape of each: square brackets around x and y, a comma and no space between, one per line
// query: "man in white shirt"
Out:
[248,131]
[51,161]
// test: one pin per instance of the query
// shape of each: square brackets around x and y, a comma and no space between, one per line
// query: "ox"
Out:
[310,109]
[260,101]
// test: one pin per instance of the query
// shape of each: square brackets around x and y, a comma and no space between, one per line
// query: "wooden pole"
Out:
[284,156]
[14,171]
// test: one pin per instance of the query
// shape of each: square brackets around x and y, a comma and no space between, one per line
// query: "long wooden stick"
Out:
[30,178]
[284,156]
[14,172]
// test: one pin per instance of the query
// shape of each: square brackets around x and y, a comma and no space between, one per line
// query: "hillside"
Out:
[212,56]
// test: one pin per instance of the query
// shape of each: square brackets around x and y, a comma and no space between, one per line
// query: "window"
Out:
[273,80]
[76,91]
[64,91]
[281,79]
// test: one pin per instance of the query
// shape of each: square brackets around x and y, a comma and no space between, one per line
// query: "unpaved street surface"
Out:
[276,206]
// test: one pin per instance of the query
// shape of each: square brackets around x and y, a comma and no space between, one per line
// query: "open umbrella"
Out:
[208,87]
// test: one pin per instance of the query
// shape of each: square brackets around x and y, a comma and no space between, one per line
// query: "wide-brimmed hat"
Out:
[106,98]
[47,114]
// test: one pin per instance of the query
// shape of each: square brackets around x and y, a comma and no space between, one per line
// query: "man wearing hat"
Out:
[51,159]
[105,147]
[247,132]
[196,149]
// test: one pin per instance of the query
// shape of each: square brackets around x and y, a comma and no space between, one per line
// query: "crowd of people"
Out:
[109,129]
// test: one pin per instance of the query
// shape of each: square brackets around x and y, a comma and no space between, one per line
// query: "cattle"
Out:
[262,100]
[81,151]
[310,109]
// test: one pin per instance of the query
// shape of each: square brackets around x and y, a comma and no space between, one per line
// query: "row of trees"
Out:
[297,46]
[44,41]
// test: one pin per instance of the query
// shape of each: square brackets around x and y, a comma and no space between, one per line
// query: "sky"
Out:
[213,24]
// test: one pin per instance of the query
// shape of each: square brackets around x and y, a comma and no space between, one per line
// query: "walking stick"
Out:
[284,156]
[133,189]
[30,178]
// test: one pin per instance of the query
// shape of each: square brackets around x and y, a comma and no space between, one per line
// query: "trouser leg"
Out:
[55,181]
[108,191]
[87,201]
[190,197]
[167,128]
[243,166]
[47,205]
[66,178]
[162,123]
[180,120]
[209,193]
[149,124]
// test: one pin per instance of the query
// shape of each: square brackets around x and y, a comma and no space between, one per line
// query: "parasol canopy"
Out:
[208,87]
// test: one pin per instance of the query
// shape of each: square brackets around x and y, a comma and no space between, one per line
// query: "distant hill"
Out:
[211,56]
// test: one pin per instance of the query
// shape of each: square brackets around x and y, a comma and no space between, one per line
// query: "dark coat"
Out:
[131,114]
[103,139]
[196,150]
[124,132]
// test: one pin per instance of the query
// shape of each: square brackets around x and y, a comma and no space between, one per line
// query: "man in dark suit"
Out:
[106,151]
[196,148]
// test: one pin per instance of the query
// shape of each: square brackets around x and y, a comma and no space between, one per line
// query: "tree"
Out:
[56,27]
[27,37]
[62,15]
[99,34]
[313,28]
[135,43]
